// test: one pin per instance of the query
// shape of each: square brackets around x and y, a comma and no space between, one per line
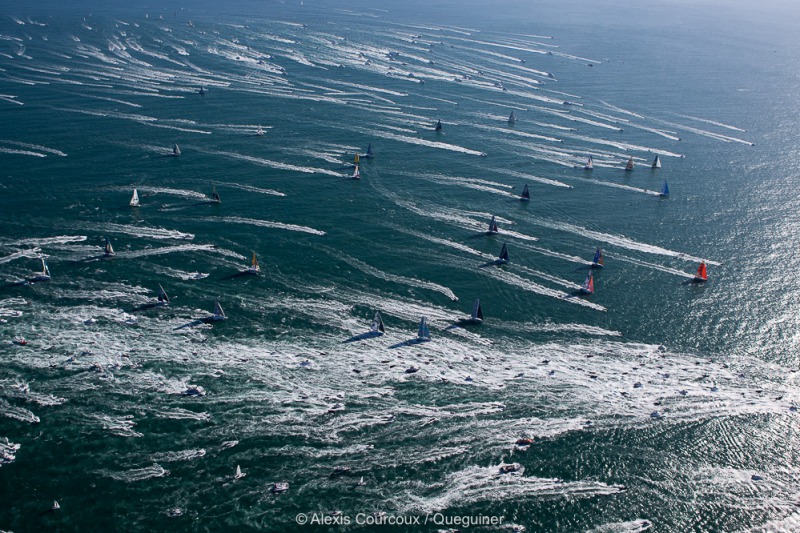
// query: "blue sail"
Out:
[598,258]
[665,189]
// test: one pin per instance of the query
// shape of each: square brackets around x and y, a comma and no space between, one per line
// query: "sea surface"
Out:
[653,404]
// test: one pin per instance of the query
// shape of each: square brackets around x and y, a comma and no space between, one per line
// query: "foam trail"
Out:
[531,177]
[175,192]
[274,164]
[38,147]
[255,189]
[21,152]
[144,231]
[615,185]
[522,283]
[138,474]
[618,240]
[171,249]
[266,224]
[63,239]
[372,271]
[654,266]
[34,252]
[713,123]
[420,142]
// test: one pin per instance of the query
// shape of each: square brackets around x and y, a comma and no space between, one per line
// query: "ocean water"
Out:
[652,404]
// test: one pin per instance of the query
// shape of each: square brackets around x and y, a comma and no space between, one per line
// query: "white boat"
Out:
[108,250]
[260,131]
[512,119]
[194,390]
[278,488]
[656,162]
[589,164]
[356,173]
[135,199]
[492,226]
[176,151]
[502,259]
[476,317]
[239,474]
[163,299]
[219,314]
[588,285]
[44,275]
[215,195]
[55,506]
[253,268]
[377,326]
[424,332]
[526,195]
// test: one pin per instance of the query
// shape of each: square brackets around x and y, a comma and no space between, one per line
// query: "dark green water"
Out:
[654,403]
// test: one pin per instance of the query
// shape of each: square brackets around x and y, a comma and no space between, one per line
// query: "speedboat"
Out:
[280,487]
[510,469]
[194,390]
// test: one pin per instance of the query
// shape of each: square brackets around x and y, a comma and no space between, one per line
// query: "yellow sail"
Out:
[254,262]
[356,159]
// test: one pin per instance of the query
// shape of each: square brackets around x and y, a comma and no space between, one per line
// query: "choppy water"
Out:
[653,403]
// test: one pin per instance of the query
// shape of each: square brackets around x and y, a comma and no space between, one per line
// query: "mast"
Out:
[162,295]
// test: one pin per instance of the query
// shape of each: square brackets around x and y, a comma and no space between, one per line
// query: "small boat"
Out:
[476,317]
[202,90]
[278,488]
[239,474]
[194,390]
[369,154]
[664,190]
[492,226]
[340,471]
[589,164]
[509,469]
[219,314]
[260,131]
[597,261]
[377,326]
[20,341]
[502,259]
[526,195]
[702,273]
[656,162]
[215,195]
[44,275]
[55,506]
[361,482]
[512,119]
[108,250]
[356,173]
[423,333]
[438,126]
[356,159]
[588,285]
[253,268]
[629,165]
[163,299]
[175,150]
[135,199]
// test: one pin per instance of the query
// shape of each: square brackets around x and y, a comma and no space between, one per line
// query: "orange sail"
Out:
[702,274]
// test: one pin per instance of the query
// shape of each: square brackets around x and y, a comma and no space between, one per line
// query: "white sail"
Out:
[589,164]
[356,174]
[657,162]
[219,314]
[162,295]
[135,199]
[175,150]
[108,250]
[377,324]
[259,131]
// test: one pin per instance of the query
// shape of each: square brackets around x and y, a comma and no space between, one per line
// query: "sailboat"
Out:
[664,189]
[492,226]
[589,164]
[588,285]
[163,299]
[503,257]
[44,275]
[512,119]
[629,165]
[215,195]
[438,126]
[356,173]
[526,195]
[702,273]
[253,268]
[597,261]
[239,474]
[135,199]
[423,333]
[356,159]
[202,90]
[219,314]
[476,317]
[369,154]
[377,327]
[656,162]
[175,150]
[259,131]
[108,250]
